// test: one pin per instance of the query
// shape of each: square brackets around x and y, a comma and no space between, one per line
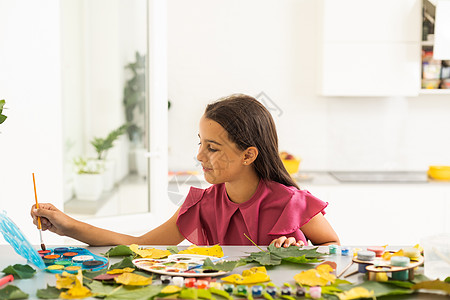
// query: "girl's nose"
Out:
[200,155]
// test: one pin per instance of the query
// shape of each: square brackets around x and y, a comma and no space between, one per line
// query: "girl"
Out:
[251,194]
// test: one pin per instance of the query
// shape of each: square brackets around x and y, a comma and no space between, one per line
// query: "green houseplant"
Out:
[134,99]
[102,145]
[2,116]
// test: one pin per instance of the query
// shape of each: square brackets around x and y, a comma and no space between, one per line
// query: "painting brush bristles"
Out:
[39,218]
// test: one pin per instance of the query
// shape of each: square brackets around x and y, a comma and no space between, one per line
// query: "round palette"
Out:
[14,236]
[185,265]
[72,259]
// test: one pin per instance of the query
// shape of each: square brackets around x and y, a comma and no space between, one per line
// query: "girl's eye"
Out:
[212,150]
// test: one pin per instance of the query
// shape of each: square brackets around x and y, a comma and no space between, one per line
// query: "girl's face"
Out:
[221,160]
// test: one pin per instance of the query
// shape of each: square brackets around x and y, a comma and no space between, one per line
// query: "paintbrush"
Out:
[39,218]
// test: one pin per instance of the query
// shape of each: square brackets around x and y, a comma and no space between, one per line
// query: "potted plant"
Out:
[102,145]
[88,179]
[134,97]
[2,116]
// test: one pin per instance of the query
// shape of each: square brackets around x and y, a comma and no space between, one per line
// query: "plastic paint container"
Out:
[364,256]
[400,261]
[82,258]
[333,249]
[377,249]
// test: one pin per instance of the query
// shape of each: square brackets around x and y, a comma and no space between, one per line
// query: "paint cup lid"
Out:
[14,236]
[92,263]
[400,261]
[365,255]
[82,258]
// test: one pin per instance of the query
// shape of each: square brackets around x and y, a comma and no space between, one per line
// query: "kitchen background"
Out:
[351,112]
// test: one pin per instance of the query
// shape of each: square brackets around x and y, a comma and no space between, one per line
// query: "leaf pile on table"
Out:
[124,281]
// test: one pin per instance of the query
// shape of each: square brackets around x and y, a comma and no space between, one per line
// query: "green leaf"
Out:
[91,274]
[189,293]
[50,292]
[12,292]
[124,263]
[100,289]
[19,271]
[173,249]
[220,293]
[447,279]
[433,285]
[301,260]
[120,250]
[204,294]
[221,266]
[135,293]
[274,256]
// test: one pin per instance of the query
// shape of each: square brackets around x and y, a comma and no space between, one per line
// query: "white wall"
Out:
[221,47]
[31,137]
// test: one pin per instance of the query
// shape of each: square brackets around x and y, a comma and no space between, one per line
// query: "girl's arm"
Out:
[58,222]
[320,232]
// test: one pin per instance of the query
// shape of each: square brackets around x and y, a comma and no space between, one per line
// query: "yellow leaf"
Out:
[77,291]
[215,250]
[120,271]
[251,276]
[171,289]
[419,247]
[133,279]
[356,293]
[253,271]
[149,252]
[65,280]
[381,277]
[320,276]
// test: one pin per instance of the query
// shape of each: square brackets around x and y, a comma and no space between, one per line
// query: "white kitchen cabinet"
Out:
[370,48]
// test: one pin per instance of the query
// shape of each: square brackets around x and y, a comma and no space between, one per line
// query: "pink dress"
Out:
[209,217]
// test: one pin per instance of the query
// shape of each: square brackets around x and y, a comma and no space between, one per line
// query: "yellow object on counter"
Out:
[291,165]
[439,172]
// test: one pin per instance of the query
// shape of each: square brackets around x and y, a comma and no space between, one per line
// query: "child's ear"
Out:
[250,154]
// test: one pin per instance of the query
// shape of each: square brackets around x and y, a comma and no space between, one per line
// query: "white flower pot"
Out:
[109,174]
[88,186]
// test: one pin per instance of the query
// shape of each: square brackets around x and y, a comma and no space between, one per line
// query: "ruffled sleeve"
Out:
[301,208]
[189,220]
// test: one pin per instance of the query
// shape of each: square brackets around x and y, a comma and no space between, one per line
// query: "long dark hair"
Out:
[249,124]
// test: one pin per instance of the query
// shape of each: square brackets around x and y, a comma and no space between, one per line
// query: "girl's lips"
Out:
[206,169]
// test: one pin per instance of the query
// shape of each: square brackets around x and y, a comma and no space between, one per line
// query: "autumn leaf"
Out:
[221,266]
[120,250]
[50,292]
[120,271]
[433,285]
[124,263]
[19,271]
[215,250]
[133,279]
[250,276]
[149,252]
[78,290]
[320,276]
[380,288]
[356,293]
[134,293]
[170,289]
[12,292]
[101,290]
[274,256]
[173,249]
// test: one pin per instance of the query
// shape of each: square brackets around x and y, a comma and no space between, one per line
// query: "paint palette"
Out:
[71,259]
[14,236]
[185,265]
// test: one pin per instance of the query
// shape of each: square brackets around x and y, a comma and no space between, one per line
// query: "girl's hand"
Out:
[286,242]
[52,219]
